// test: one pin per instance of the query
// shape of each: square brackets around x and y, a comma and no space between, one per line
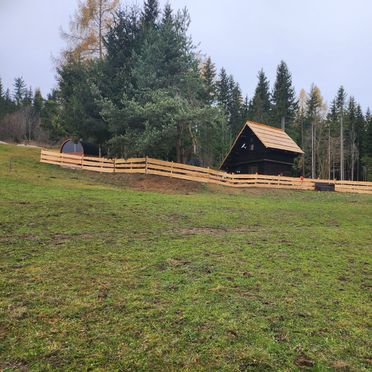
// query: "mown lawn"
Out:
[98,276]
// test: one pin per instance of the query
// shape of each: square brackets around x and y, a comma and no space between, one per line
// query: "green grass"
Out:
[98,276]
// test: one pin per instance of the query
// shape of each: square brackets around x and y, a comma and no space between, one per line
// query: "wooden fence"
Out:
[193,173]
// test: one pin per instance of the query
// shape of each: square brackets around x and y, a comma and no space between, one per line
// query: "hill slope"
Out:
[98,274]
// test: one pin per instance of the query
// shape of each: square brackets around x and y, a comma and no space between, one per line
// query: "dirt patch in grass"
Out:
[341,365]
[59,239]
[304,361]
[150,183]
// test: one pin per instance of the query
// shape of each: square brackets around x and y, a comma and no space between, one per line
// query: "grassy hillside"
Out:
[94,274]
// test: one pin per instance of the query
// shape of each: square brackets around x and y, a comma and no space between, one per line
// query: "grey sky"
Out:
[328,42]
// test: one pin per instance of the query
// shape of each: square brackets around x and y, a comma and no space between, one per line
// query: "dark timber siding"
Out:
[249,155]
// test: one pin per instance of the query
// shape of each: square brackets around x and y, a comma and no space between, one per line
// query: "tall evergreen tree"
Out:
[367,147]
[359,130]
[80,112]
[245,109]
[223,90]
[167,14]
[283,97]
[151,12]
[260,104]
[51,117]
[351,124]
[340,102]
[208,73]
[20,91]
[235,109]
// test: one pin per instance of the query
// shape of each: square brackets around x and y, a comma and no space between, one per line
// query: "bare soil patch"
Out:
[151,183]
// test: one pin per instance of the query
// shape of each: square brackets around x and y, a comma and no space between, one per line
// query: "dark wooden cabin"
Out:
[261,149]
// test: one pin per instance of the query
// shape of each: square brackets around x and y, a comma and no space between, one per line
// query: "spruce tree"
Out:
[283,97]
[20,91]
[167,14]
[351,119]
[367,134]
[245,109]
[235,109]
[150,13]
[27,100]
[223,91]
[38,102]
[340,102]
[208,73]
[260,104]
[2,101]
[367,147]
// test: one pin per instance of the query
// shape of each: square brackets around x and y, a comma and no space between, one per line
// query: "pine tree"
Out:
[340,102]
[261,102]
[351,118]
[223,90]
[367,147]
[208,74]
[245,109]
[359,130]
[50,117]
[38,102]
[167,14]
[151,13]
[283,97]
[235,109]
[367,134]
[27,100]
[20,91]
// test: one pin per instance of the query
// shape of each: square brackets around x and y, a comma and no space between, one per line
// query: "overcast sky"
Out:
[328,42]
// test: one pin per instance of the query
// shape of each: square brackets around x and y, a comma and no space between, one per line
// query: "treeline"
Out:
[132,80]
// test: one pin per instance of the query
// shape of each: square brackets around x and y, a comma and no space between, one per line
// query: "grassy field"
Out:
[97,274]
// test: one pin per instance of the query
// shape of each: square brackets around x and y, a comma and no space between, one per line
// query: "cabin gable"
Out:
[250,155]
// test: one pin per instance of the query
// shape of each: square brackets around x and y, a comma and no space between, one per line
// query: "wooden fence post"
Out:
[172,169]
[114,163]
[81,161]
[146,162]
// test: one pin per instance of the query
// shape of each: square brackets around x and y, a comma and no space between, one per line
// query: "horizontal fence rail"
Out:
[193,173]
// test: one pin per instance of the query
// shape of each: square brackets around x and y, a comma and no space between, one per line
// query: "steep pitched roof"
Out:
[274,138]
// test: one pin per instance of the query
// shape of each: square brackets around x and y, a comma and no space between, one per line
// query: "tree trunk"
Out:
[329,152]
[313,175]
[342,175]
[100,30]
[179,145]
[283,123]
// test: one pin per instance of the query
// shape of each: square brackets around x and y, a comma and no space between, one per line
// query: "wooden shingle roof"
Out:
[274,138]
